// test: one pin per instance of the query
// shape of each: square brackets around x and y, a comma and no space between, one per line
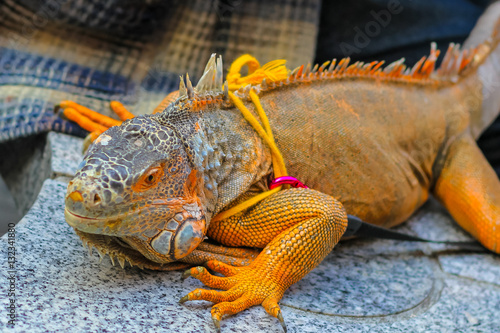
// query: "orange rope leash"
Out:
[272,71]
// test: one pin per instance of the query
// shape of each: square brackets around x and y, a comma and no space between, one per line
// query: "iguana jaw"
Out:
[91,224]
[183,227]
[112,247]
[114,221]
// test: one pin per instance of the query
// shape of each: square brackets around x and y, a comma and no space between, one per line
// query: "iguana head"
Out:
[139,186]
[135,183]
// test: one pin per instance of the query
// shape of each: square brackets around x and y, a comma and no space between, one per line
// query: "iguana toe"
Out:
[213,296]
[244,287]
[92,121]
[222,268]
[212,281]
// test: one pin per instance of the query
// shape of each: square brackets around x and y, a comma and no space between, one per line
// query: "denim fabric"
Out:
[94,51]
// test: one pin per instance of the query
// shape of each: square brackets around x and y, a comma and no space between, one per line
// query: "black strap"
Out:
[356,227]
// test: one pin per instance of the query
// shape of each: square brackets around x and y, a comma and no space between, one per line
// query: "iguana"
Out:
[370,141]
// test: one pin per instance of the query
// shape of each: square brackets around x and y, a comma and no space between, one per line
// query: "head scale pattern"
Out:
[136,183]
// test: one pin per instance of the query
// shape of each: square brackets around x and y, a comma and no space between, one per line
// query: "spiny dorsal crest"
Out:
[456,63]
[209,84]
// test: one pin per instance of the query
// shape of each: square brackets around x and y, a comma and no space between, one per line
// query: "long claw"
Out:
[101,255]
[121,261]
[184,299]
[217,324]
[186,274]
[282,321]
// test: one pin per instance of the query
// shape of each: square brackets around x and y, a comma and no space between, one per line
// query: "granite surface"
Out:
[362,286]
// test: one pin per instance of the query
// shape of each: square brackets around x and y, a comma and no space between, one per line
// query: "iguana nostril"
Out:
[97,199]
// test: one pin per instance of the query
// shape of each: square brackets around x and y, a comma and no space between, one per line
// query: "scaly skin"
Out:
[376,145]
[296,228]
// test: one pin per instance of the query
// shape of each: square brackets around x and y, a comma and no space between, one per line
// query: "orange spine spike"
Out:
[377,67]
[299,72]
[345,64]
[430,63]
[353,69]
[467,59]
[339,66]
[332,66]
[368,67]
[322,67]
[415,71]
[308,70]
[448,58]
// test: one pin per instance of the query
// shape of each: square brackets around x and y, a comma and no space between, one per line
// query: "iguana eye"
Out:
[149,179]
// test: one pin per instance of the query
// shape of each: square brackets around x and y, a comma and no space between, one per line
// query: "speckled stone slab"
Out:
[479,267]
[362,286]
[66,153]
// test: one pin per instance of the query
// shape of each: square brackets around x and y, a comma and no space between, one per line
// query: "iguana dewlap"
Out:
[369,141]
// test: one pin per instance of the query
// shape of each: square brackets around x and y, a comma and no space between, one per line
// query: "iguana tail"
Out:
[485,37]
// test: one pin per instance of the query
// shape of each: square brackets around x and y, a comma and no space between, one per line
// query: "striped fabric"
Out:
[133,51]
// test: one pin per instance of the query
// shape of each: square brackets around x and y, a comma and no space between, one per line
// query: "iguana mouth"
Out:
[73,218]
[165,235]
[79,217]
[114,225]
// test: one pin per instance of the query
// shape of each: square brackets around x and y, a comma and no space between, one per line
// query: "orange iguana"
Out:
[371,141]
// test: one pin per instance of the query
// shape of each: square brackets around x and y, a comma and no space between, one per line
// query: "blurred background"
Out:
[8,211]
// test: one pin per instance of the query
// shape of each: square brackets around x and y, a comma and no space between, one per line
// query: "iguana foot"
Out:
[297,228]
[243,287]
[92,121]
[97,123]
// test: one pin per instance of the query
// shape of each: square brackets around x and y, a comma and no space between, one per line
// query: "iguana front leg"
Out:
[470,190]
[297,228]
